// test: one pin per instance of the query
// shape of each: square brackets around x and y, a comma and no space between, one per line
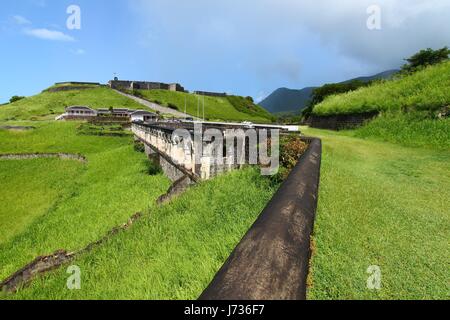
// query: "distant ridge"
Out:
[284,100]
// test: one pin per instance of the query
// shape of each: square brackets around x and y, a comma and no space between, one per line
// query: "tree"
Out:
[15,99]
[425,58]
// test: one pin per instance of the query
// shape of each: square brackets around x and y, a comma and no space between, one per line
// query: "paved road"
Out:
[156,107]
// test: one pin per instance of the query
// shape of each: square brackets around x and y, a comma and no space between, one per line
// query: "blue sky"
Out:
[249,47]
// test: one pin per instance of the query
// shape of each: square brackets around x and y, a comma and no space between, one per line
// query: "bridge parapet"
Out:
[205,151]
[176,145]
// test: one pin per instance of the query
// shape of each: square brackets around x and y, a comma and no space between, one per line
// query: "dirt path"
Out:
[156,107]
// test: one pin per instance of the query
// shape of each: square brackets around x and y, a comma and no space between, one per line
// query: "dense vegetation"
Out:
[216,108]
[47,105]
[425,90]
[385,205]
[425,58]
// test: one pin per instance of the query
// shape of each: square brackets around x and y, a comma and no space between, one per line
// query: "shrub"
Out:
[139,146]
[425,58]
[15,99]
[153,168]
[172,106]
[291,149]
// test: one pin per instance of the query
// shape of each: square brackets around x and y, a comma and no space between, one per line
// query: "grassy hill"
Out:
[50,204]
[46,105]
[426,90]
[231,108]
[174,251]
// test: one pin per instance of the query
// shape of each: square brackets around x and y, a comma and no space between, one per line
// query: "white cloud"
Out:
[21,20]
[47,34]
[261,96]
[78,52]
[278,27]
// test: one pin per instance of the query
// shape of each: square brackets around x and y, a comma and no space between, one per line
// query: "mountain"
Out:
[383,75]
[286,100]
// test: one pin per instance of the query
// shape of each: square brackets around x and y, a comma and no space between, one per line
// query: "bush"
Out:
[15,99]
[172,106]
[153,168]
[139,146]
[291,149]
[425,58]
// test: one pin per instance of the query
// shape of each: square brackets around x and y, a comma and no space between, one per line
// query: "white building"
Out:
[144,116]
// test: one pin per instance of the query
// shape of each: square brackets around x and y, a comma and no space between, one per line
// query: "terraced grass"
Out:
[57,204]
[216,108]
[381,204]
[171,253]
[427,90]
[47,105]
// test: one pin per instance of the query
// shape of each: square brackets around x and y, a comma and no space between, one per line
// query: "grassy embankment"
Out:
[171,253]
[384,193]
[47,105]
[232,108]
[51,204]
[426,90]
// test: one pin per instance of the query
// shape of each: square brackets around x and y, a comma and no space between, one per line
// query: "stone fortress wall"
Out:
[144,85]
[147,85]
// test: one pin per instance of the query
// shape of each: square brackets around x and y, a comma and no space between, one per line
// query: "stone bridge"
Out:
[202,151]
[271,262]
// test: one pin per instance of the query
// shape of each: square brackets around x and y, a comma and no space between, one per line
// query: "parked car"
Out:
[248,124]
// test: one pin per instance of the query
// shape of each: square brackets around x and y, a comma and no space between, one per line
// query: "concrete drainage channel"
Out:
[270,263]
[272,260]
[28,156]
[51,262]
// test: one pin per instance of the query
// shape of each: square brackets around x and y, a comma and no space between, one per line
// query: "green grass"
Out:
[29,188]
[381,204]
[174,251]
[55,204]
[216,108]
[72,84]
[47,105]
[410,129]
[426,90]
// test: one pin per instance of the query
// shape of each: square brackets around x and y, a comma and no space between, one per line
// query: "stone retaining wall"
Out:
[340,122]
[27,156]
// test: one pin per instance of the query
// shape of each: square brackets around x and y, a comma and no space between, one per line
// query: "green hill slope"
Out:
[232,108]
[47,105]
[427,90]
